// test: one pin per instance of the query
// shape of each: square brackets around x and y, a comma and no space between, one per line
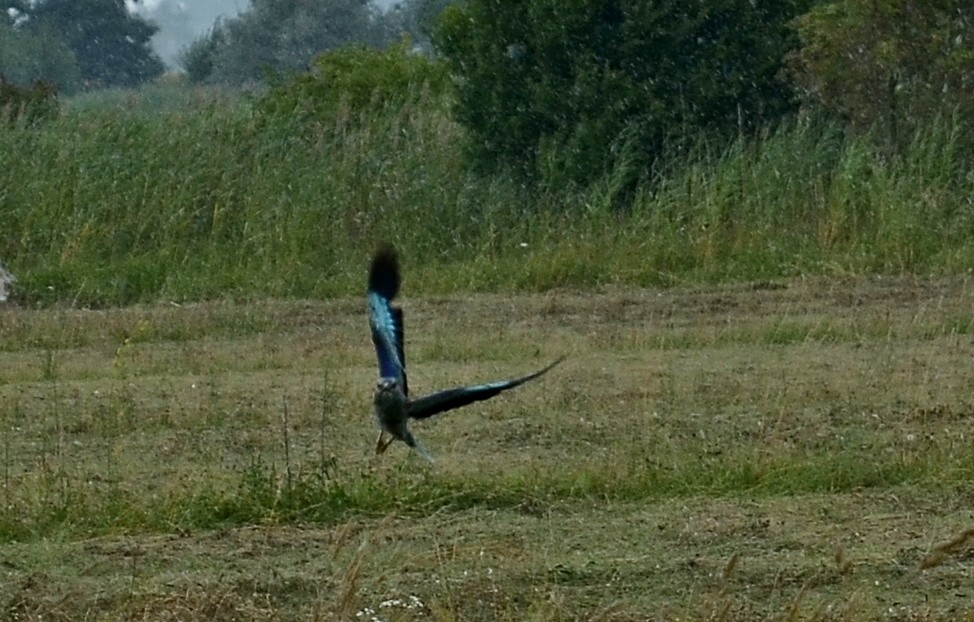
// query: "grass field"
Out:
[794,450]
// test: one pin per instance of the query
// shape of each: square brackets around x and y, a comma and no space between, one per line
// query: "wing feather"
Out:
[449,399]
[385,320]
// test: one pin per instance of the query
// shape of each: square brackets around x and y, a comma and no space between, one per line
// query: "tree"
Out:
[888,65]
[30,56]
[281,36]
[573,87]
[110,46]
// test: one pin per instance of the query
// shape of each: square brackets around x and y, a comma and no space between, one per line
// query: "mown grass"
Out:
[149,456]
[210,198]
[69,505]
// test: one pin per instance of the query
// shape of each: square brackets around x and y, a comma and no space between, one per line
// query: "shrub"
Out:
[571,88]
[356,78]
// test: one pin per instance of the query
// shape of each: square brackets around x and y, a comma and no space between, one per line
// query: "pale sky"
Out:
[183,21]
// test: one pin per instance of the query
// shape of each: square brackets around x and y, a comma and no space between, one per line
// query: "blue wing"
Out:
[384,319]
[443,401]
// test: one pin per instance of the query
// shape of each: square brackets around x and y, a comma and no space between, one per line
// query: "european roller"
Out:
[393,406]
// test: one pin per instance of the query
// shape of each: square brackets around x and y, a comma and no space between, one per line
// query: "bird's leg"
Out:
[381,443]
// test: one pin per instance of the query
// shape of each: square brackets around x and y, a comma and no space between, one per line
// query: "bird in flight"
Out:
[393,407]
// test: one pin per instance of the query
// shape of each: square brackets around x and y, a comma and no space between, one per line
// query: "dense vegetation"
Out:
[568,91]
[124,197]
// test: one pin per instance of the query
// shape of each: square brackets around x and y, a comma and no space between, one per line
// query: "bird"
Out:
[391,402]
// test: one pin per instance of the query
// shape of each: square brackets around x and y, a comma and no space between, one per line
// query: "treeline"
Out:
[84,45]
[569,92]
[563,89]
[276,38]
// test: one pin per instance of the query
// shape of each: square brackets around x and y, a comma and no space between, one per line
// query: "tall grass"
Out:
[58,500]
[110,205]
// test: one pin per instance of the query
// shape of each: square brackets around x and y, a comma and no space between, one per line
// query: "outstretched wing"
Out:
[384,319]
[443,401]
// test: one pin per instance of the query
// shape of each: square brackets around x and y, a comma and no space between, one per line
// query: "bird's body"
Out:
[392,416]
[393,408]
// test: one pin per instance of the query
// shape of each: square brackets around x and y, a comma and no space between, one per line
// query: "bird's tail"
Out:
[384,278]
[412,442]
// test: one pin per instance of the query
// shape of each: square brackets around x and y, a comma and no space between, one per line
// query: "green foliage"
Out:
[279,36]
[892,66]
[30,55]
[575,88]
[357,78]
[111,46]
[199,57]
